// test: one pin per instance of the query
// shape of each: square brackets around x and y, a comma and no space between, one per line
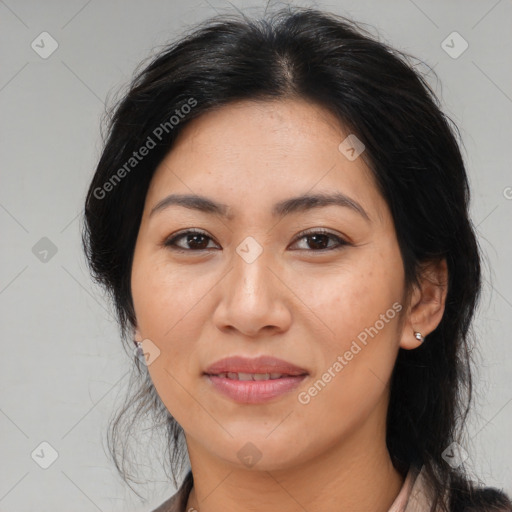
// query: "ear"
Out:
[426,304]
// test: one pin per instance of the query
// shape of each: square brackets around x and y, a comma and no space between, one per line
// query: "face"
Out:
[319,286]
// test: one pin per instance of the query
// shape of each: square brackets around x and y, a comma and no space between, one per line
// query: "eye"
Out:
[321,237]
[194,237]
[196,240]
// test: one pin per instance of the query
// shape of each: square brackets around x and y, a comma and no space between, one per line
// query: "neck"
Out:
[355,475]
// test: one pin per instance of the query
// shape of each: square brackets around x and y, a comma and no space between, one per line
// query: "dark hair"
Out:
[412,151]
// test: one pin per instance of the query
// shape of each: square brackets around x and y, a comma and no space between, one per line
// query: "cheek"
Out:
[358,308]
[347,301]
[164,302]
[356,359]
[163,296]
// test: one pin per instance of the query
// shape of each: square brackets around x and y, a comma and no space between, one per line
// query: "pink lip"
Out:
[254,392]
[261,364]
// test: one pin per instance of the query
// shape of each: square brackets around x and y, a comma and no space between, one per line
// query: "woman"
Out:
[280,213]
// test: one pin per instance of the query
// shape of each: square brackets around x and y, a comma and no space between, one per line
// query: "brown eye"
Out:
[193,241]
[319,241]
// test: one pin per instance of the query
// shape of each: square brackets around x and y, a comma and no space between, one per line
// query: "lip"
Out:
[254,391]
[261,364]
[259,391]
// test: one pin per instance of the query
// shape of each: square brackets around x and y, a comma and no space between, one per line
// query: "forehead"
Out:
[264,150]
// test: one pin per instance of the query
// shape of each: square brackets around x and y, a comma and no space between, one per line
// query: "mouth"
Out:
[254,381]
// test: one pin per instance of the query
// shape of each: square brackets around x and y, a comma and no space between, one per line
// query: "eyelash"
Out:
[171,242]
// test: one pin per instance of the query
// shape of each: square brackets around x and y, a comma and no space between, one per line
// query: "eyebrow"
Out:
[297,204]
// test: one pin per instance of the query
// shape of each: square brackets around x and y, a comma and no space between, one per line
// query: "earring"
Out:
[139,352]
[419,337]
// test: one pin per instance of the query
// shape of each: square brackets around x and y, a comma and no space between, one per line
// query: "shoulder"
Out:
[178,501]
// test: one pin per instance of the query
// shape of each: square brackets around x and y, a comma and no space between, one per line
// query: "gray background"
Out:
[62,367]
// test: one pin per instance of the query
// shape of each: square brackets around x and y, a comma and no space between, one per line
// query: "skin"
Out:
[294,301]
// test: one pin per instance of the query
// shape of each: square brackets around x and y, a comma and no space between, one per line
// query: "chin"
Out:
[258,452]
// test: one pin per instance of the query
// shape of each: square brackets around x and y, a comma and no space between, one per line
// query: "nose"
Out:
[254,300]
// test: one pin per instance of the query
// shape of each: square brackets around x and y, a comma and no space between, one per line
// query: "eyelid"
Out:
[314,231]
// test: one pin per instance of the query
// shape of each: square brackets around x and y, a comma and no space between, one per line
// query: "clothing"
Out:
[178,501]
[411,498]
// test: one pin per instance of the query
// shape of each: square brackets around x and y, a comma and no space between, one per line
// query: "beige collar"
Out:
[414,495]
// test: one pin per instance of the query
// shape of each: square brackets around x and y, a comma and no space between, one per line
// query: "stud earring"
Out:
[419,337]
